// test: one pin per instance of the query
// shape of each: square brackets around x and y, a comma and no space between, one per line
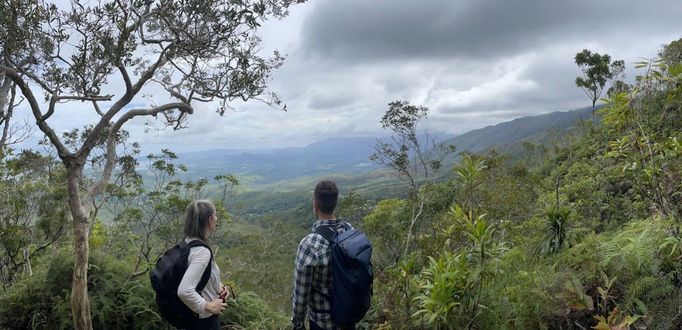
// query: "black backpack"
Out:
[166,277]
[351,270]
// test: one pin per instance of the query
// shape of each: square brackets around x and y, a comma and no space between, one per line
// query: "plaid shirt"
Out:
[312,278]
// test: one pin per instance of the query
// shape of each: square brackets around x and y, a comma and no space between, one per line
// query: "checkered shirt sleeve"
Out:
[306,260]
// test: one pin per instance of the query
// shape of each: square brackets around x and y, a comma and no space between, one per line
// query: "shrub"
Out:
[42,300]
[248,311]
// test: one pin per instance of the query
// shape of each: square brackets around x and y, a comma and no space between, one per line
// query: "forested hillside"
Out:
[519,138]
[584,234]
[267,167]
[575,227]
[275,169]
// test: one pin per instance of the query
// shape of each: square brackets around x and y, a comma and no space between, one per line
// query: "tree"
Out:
[33,213]
[671,54]
[644,127]
[354,207]
[147,219]
[12,31]
[228,183]
[195,51]
[618,86]
[10,133]
[413,161]
[597,70]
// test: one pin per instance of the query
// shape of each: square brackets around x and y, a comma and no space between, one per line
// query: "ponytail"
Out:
[196,220]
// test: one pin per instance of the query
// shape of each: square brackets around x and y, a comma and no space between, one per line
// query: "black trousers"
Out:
[209,323]
[314,326]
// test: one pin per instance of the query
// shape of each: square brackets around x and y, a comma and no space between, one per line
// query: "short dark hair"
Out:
[326,196]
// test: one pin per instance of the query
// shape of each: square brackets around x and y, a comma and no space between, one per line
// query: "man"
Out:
[312,276]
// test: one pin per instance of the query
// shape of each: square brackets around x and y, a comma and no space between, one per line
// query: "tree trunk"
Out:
[27,265]
[5,115]
[80,302]
[415,217]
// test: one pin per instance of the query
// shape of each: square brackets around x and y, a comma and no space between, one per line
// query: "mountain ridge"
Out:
[350,155]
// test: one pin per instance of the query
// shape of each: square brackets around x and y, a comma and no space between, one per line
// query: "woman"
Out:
[200,224]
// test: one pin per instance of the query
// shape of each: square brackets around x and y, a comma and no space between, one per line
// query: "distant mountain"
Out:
[333,155]
[347,157]
[507,134]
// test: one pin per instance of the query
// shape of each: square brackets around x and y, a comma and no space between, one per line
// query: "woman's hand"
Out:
[215,307]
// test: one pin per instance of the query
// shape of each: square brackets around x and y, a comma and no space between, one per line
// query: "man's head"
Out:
[325,198]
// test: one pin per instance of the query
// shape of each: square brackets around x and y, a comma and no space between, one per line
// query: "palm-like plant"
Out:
[469,170]
[468,175]
[556,229]
[446,286]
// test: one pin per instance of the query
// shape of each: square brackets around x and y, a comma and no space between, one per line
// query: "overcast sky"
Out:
[472,62]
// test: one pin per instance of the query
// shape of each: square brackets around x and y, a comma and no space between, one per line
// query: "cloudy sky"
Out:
[472,62]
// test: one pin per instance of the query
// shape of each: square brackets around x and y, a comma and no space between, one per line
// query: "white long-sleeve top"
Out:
[198,259]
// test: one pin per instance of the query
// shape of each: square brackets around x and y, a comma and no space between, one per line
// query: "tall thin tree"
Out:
[596,70]
[413,160]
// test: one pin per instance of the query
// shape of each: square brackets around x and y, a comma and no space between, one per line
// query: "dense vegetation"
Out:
[575,231]
[586,234]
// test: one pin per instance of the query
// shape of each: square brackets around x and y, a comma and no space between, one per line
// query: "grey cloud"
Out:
[475,29]
[352,57]
[330,100]
[473,63]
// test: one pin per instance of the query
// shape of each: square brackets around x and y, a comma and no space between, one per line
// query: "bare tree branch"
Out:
[33,77]
[90,141]
[126,78]
[85,98]
[97,109]
[98,186]
[54,99]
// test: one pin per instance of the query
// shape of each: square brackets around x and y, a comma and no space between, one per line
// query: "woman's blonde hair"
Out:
[196,221]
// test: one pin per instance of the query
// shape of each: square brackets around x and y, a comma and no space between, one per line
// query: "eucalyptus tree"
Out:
[63,58]
[412,159]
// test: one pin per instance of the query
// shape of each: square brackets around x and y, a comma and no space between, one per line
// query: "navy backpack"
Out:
[351,270]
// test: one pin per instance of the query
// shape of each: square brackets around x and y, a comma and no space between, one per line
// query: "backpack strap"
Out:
[329,232]
[207,272]
[346,225]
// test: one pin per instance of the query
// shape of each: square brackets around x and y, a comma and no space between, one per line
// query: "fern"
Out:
[635,248]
